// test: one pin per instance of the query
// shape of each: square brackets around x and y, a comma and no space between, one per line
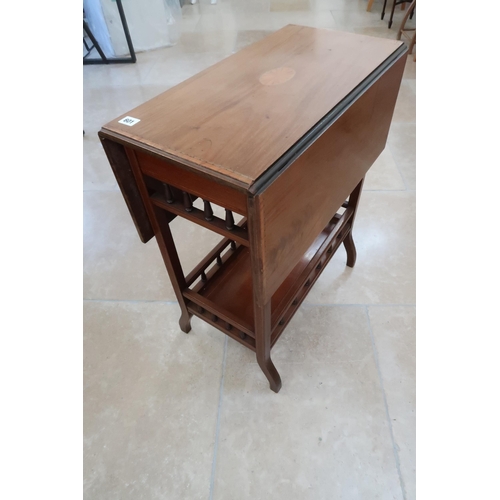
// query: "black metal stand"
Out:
[396,2]
[110,60]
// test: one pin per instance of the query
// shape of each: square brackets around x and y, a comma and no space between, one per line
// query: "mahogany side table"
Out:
[281,133]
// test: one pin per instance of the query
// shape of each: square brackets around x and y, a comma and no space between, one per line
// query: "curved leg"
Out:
[350,249]
[412,43]
[185,322]
[263,345]
[267,366]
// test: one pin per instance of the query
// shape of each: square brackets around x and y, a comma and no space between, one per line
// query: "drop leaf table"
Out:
[281,134]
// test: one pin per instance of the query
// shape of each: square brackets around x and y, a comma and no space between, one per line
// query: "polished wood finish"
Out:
[281,133]
[184,180]
[292,212]
[120,165]
[205,119]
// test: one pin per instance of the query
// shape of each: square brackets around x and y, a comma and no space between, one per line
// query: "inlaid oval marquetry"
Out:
[277,76]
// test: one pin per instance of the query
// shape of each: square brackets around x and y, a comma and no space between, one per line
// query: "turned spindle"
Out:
[229,220]
[188,202]
[209,213]
[233,245]
[219,260]
[168,193]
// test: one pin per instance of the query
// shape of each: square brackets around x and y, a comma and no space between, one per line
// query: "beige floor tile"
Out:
[180,66]
[117,265]
[97,173]
[245,38]
[118,75]
[315,19]
[345,5]
[325,435]
[384,273]
[208,41]
[410,69]
[401,143]
[289,5]
[107,102]
[351,19]
[394,335]
[152,392]
[405,110]
[380,31]
[151,395]
[384,174]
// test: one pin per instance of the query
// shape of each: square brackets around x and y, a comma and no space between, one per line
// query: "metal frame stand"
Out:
[110,60]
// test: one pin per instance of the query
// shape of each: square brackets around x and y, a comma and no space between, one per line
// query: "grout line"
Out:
[397,166]
[386,190]
[394,449]
[133,301]
[308,304]
[117,190]
[217,425]
[313,304]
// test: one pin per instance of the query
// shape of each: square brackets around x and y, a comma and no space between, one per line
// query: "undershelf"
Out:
[225,297]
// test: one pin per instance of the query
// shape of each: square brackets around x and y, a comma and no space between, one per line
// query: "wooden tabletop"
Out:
[239,116]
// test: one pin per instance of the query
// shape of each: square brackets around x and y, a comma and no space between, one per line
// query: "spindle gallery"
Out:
[282,134]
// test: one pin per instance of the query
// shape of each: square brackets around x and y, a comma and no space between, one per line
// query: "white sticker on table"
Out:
[129,120]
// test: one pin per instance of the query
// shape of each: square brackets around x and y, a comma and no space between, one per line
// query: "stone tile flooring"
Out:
[175,416]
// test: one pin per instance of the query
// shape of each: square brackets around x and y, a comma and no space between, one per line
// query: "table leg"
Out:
[350,249]
[263,345]
[165,242]
[348,241]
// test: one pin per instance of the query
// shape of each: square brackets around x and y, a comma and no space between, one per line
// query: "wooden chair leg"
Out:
[369,6]
[405,18]
[263,345]
[412,43]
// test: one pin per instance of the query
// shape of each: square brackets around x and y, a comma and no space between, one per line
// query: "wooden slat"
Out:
[210,257]
[219,311]
[195,215]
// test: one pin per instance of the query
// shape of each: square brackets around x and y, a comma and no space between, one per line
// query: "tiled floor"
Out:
[175,416]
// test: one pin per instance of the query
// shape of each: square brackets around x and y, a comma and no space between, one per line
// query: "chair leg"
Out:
[405,18]
[383,10]
[369,6]
[412,43]
[392,13]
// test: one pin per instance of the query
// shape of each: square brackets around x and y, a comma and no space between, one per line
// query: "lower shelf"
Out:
[225,298]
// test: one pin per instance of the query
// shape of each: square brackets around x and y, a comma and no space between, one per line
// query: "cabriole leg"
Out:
[263,345]
[350,249]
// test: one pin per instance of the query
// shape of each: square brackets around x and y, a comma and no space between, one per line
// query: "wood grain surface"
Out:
[239,116]
[295,208]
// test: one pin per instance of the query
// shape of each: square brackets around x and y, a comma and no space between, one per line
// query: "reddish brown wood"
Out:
[293,210]
[123,173]
[283,138]
[228,120]
[165,243]
[198,216]
[207,189]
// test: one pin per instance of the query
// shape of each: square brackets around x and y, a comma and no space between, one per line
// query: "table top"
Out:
[241,115]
